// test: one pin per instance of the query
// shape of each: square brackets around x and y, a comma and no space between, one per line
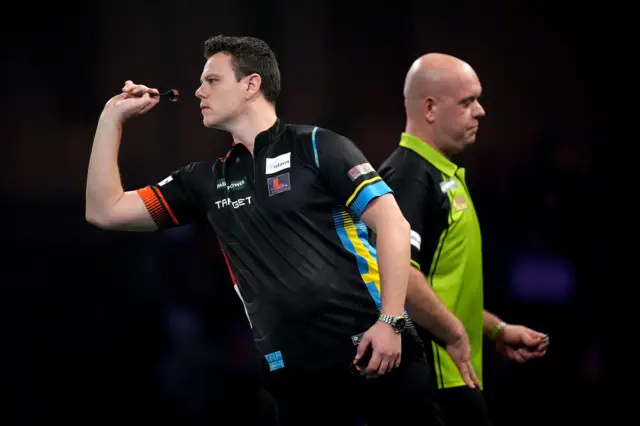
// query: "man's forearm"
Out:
[394,253]
[427,310]
[104,186]
[490,323]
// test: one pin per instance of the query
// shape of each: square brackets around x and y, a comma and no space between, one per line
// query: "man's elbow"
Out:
[395,224]
[402,226]
[98,219]
[405,226]
[95,220]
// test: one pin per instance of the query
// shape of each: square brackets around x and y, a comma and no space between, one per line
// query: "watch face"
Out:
[401,323]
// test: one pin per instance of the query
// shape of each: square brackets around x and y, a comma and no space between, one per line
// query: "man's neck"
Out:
[256,119]
[424,135]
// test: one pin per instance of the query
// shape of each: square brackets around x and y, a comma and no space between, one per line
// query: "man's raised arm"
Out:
[107,205]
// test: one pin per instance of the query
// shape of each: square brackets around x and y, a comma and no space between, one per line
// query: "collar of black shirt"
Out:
[264,138]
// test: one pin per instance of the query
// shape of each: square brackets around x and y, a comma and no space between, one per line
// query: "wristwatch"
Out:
[398,323]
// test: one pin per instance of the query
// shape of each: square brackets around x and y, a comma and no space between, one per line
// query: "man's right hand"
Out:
[127,104]
[460,352]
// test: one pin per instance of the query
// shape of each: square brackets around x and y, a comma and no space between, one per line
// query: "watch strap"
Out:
[391,320]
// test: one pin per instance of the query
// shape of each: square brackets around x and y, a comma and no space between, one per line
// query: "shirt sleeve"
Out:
[412,197]
[346,171]
[174,201]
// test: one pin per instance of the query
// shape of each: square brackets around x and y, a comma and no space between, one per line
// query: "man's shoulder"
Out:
[405,161]
[315,142]
[300,129]
[404,164]
[313,132]
[195,170]
[201,165]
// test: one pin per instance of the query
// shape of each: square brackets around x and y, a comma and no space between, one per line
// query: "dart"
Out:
[172,94]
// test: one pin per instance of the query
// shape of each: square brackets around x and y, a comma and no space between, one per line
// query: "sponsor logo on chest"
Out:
[460,203]
[281,162]
[278,184]
[235,204]
[234,185]
[448,185]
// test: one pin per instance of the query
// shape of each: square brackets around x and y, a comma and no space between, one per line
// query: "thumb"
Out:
[531,339]
[363,346]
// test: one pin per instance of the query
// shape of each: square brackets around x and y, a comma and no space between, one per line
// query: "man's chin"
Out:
[218,124]
[469,141]
[461,146]
[209,123]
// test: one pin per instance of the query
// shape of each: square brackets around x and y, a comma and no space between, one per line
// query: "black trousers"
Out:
[336,396]
[463,406]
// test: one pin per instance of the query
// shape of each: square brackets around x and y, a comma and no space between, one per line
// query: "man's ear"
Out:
[429,109]
[254,82]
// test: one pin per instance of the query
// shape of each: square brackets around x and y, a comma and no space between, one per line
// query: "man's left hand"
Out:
[522,344]
[386,348]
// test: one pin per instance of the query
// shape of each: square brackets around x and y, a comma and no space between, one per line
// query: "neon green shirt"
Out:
[446,244]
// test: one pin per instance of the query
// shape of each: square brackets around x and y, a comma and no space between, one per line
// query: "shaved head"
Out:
[441,95]
[433,74]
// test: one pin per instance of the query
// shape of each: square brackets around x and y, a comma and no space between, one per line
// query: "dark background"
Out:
[108,328]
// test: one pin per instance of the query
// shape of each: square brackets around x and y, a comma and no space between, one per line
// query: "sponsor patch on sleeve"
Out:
[165,180]
[416,240]
[360,170]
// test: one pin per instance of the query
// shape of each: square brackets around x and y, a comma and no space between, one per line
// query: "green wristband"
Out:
[497,330]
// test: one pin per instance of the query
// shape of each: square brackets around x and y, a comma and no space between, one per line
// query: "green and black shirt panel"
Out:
[445,239]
